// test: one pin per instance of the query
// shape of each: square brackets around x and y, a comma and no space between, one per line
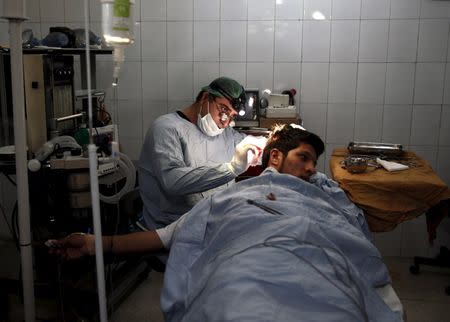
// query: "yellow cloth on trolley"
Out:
[389,198]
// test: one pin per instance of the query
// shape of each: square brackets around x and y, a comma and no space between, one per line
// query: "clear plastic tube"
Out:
[118,58]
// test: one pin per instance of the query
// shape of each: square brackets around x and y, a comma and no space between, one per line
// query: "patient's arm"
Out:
[140,242]
[168,233]
[77,245]
[332,189]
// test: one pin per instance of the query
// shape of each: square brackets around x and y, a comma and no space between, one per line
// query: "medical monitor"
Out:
[251,116]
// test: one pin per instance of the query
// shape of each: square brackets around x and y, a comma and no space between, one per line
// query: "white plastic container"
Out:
[118,22]
[281,112]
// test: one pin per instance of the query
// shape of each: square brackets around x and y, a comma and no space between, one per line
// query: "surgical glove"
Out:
[258,141]
[240,161]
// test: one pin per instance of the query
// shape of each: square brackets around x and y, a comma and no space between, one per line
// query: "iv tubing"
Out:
[94,183]
[118,58]
[127,169]
[20,141]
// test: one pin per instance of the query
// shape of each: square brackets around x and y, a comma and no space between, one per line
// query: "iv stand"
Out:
[14,11]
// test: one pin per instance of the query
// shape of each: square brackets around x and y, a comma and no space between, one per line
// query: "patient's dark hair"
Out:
[286,138]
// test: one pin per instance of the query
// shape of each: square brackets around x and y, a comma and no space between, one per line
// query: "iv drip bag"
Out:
[118,22]
[118,29]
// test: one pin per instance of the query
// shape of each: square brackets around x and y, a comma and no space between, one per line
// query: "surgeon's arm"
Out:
[179,179]
[175,176]
[77,245]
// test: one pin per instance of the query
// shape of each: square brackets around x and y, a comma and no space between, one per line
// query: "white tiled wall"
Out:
[374,70]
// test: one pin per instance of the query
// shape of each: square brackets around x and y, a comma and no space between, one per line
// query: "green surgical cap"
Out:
[224,87]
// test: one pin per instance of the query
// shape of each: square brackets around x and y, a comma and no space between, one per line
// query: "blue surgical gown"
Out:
[301,254]
[179,165]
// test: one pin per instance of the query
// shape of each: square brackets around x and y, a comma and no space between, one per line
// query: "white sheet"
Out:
[389,297]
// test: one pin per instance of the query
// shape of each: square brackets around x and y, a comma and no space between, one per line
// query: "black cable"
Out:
[9,226]
[10,180]
[16,219]
[15,225]
[108,119]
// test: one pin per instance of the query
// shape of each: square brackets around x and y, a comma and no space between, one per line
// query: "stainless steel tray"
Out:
[375,148]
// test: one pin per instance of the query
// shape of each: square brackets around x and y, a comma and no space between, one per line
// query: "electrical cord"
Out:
[9,226]
[15,224]
[101,112]
[10,180]
[127,169]
[108,118]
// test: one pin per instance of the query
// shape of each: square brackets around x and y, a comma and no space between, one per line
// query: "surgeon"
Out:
[191,153]
[285,246]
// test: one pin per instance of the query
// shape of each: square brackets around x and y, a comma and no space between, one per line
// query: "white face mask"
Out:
[207,124]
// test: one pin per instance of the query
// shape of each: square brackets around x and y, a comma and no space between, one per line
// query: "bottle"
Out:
[118,24]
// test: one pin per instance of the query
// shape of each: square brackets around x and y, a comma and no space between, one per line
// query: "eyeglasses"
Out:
[223,109]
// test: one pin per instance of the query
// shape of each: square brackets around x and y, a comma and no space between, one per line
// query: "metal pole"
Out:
[15,11]
[95,196]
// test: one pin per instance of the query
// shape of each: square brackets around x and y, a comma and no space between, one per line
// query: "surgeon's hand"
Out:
[73,246]
[258,141]
[244,155]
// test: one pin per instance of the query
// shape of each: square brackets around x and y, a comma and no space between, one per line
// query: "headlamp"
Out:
[237,103]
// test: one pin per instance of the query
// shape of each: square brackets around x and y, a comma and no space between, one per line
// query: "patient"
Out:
[270,248]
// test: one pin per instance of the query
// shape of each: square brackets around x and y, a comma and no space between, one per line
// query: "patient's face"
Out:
[300,162]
